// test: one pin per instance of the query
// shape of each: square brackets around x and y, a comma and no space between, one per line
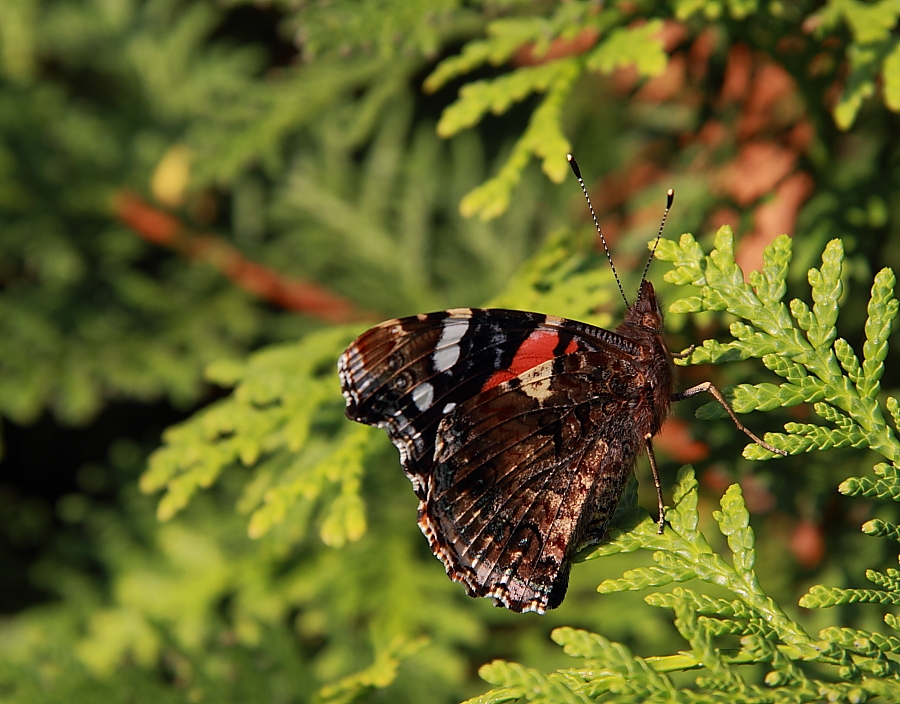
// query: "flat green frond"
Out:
[722,272]
[496,96]
[848,360]
[286,148]
[643,578]
[690,304]
[640,47]
[611,657]
[865,643]
[734,522]
[767,397]
[713,351]
[504,40]
[833,415]
[820,597]
[886,580]
[786,368]
[892,621]
[722,287]
[772,284]
[579,643]
[872,54]
[882,529]
[702,603]
[685,517]
[308,478]
[542,138]
[826,288]
[891,86]
[680,555]
[869,22]
[893,407]
[625,539]
[717,628]
[688,260]
[417,27]
[882,310]
[802,314]
[518,682]
[884,485]
[508,35]
[715,9]
[805,437]
[818,367]
[279,395]
[697,632]
[890,472]
[381,673]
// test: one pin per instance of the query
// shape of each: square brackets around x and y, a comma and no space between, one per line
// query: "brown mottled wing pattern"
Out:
[526,474]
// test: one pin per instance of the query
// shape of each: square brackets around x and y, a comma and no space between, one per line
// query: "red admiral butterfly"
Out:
[518,431]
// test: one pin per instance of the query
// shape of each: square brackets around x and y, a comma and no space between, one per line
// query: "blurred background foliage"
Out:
[198,195]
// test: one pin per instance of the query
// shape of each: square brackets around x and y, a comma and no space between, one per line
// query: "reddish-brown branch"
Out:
[165,230]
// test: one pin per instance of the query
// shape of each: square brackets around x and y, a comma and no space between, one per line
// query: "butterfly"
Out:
[518,431]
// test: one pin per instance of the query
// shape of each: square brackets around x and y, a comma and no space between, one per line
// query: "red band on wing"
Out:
[538,347]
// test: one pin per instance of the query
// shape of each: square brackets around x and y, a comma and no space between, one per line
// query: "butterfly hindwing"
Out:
[526,474]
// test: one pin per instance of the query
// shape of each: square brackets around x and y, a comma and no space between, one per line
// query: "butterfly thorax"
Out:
[643,327]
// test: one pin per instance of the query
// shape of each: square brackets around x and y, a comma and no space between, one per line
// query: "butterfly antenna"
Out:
[574,165]
[670,197]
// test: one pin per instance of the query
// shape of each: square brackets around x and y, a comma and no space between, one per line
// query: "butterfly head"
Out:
[645,312]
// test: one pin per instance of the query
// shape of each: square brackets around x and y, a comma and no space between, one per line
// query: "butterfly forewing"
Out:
[402,374]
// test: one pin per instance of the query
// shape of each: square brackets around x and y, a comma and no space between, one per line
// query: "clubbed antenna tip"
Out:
[670,198]
[577,171]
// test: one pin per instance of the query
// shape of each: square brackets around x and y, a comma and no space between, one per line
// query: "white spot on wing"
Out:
[446,353]
[449,407]
[423,395]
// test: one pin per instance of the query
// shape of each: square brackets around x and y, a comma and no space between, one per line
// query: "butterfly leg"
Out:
[684,355]
[659,495]
[707,386]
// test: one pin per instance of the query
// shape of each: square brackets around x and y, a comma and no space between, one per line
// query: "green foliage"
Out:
[873,54]
[621,46]
[336,143]
[74,279]
[267,423]
[818,367]
[856,661]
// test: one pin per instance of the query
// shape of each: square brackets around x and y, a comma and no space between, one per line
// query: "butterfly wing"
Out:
[526,474]
[503,422]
